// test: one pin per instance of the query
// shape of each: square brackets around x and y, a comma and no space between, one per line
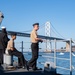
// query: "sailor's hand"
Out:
[40,40]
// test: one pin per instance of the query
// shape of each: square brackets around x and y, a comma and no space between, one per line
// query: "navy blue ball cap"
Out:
[36,24]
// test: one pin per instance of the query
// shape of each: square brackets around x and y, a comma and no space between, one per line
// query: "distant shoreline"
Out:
[49,51]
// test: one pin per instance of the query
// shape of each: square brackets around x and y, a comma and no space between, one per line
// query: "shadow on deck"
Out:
[25,72]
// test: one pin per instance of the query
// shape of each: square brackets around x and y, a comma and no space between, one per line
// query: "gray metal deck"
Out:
[24,72]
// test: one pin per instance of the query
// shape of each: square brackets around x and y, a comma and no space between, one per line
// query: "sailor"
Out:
[3,44]
[13,51]
[34,46]
[5,32]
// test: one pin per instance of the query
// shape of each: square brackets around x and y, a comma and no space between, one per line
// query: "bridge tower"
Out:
[48,33]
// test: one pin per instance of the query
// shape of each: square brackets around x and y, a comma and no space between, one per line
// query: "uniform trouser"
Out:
[20,56]
[33,61]
[1,56]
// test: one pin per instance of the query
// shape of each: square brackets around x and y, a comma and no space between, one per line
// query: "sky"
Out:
[19,15]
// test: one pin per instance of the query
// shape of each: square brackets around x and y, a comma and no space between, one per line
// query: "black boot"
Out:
[27,66]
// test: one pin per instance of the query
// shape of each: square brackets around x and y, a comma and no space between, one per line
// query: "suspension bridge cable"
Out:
[27,31]
[57,31]
[54,32]
[42,26]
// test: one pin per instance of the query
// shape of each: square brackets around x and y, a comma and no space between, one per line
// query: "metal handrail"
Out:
[69,59]
[62,58]
[62,68]
[73,54]
[55,57]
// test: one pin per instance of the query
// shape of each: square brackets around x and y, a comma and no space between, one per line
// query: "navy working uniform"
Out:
[3,45]
[34,46]
[15,52]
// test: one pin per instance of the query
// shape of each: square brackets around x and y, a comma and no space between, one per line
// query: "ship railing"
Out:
[72,53]
[54,57]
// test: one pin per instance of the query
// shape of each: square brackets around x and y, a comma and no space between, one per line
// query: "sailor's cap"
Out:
[36,24]
[3,27]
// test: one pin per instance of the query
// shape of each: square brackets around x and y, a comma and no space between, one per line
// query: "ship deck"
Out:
[21,71]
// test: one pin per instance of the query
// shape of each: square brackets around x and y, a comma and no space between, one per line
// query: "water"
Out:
[63,63]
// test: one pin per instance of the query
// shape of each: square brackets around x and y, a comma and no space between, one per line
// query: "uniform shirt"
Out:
[33,35]
[3,41]
[10,44]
